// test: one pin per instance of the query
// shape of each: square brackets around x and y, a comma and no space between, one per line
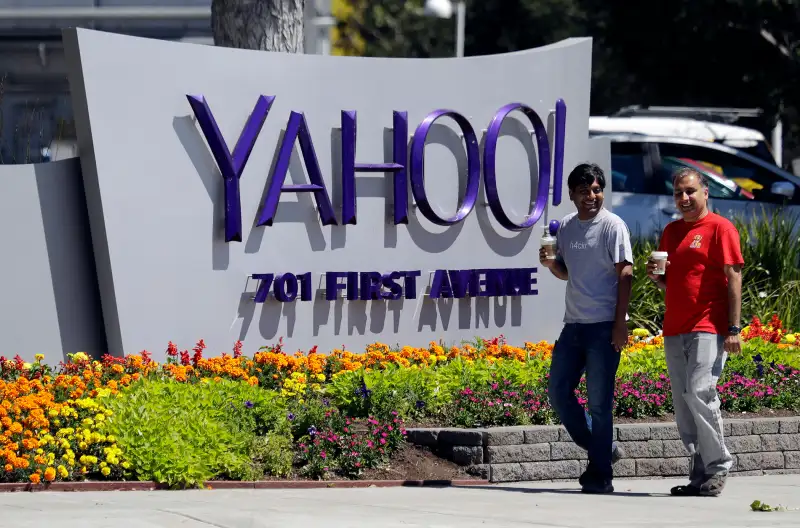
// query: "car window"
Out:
[627,167]
[748,175]
[662,180]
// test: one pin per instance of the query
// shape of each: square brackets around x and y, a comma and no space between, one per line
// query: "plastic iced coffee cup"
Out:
[549,245]
[660,258]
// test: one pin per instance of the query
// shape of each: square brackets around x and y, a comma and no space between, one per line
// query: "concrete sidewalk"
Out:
[637,503]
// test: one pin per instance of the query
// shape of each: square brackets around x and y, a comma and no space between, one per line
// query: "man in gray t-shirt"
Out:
[594,256]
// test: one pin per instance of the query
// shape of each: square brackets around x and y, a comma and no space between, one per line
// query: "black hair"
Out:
[586,174]
[684,172]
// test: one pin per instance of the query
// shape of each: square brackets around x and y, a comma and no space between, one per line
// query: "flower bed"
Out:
[308,415]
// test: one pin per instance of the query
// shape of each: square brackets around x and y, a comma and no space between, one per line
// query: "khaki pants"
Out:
[695,362]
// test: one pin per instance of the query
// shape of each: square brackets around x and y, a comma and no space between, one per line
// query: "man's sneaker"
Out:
[591,483]
[689,490]
[713,486]
[616,453]
[597,487]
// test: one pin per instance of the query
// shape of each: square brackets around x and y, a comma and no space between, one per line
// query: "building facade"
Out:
[36,120]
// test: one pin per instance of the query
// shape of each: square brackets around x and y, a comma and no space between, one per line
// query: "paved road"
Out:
[637,503]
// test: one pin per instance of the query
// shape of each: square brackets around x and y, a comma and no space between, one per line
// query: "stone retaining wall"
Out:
[506,454]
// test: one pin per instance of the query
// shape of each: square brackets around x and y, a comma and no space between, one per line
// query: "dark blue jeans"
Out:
[586,347]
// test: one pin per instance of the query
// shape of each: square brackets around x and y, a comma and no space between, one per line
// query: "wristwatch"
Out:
[734,330]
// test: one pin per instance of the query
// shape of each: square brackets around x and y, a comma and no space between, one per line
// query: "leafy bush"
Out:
[345,447]
[771,275]
[271,454]
[646,308]
[182,434]
[500,403]
[409,392]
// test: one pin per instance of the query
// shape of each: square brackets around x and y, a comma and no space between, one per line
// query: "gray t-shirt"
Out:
[590,249]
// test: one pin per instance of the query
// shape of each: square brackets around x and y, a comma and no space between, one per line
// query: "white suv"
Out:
[739,183]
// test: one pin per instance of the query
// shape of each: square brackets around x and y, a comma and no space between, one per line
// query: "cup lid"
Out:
[659,254]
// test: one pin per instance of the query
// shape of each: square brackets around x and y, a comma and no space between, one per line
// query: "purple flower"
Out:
[290,416]
[248,404]
[312,430]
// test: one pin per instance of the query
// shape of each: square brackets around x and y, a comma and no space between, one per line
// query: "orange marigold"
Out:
[50,474]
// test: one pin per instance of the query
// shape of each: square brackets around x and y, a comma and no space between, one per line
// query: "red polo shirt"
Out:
[697,287]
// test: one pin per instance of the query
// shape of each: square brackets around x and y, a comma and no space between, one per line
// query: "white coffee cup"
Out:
[660,258]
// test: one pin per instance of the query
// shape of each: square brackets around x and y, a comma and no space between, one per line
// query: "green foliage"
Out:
[407,391]
[759,506]
[416,393]
[344,446]
[771,275]
[650,360]
[646,308]
[271,454]
[181,434]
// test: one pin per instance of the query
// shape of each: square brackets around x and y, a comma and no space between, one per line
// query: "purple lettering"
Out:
[440,285]
[398,167]
[418,167]
[263,286]
[411,284]
[286,287]
[305,286]
[461,282]
[332,284]
[297,128]
[543,149]
[370,285]
[352,285]
[389,280]
[231,165]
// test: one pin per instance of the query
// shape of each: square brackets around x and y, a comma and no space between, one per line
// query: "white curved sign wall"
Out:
[327,200]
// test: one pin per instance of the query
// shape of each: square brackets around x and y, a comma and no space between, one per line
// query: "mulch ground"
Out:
[417,463]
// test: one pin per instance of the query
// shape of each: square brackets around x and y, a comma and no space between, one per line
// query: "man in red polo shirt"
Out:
[703,285]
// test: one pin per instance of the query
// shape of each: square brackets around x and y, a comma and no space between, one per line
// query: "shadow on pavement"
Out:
[566,491]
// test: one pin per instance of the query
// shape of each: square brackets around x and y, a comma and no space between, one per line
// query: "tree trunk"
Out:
[271,25]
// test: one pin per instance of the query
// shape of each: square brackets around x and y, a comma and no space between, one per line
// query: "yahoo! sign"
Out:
[231,164]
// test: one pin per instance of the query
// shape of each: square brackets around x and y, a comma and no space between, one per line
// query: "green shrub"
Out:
[771,275]
[646,309]
[409,392]
[271,454]
[182,435]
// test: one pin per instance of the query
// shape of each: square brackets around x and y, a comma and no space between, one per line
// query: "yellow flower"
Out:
[105,471]
[80,356]
[320,377]
[39,357]
[126,465]
[26,366]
